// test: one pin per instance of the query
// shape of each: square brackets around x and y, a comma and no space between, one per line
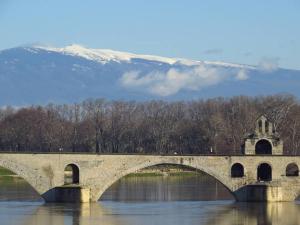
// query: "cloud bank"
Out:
[175,80]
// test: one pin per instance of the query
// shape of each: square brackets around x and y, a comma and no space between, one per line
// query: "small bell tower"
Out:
[264,140]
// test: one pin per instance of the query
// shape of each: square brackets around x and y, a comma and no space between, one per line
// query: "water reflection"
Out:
[167,188]
[287,213]
[16,189]
[116,213]
[146,201]
[70,214]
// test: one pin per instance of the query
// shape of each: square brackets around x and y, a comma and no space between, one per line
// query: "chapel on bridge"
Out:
[264,140]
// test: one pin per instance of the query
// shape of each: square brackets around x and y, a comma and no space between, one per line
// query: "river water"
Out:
[166,200]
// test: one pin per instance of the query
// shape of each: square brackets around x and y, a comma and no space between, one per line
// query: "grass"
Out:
[160,174]
[145,174]
[5,172]
[166,170]
[7,178]
[185,173]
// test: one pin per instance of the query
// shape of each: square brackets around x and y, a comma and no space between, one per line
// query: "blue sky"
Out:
[238,31]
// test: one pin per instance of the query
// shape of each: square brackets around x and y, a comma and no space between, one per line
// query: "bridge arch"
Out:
[38,181]
[223,179]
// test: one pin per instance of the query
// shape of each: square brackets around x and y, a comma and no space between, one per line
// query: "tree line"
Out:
[212,126]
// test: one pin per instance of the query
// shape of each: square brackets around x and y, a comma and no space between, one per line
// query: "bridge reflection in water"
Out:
[110,213]
[258,214]
[166,200]
[154,200]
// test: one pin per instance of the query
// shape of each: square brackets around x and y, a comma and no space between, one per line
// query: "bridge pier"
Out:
[72,194]
[260,192]
[266,192]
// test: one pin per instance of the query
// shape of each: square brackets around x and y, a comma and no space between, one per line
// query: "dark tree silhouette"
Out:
[212,126]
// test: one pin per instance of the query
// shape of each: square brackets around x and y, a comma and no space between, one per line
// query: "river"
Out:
[168,200]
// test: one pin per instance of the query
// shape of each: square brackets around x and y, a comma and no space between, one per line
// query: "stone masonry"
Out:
[45,172]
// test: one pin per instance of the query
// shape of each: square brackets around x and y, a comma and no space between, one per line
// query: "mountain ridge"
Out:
[113,55]
[40,75]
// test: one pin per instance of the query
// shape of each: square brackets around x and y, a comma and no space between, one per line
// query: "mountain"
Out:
[40,75]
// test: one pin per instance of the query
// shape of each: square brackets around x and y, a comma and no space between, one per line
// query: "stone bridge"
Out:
[261,173]
[247,177]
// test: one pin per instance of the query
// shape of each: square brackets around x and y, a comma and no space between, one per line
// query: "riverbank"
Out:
[5,172]
[7,175]
[166,170]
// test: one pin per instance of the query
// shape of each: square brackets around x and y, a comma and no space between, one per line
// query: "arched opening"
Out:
[71,174]
[292,170]
[167,182]
[267,127]
[237,170]
[263,147]
[260,126]
[264,172]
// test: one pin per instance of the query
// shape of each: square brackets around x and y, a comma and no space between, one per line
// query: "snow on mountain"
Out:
[104,55]
[39,75]
[107,55]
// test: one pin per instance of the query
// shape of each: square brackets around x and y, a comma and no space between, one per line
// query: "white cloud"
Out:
[174,80]
[242,75]
[268,64]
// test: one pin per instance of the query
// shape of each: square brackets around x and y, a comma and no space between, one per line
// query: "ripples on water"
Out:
[145,200]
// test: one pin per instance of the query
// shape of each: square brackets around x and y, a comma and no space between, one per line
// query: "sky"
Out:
[250,31]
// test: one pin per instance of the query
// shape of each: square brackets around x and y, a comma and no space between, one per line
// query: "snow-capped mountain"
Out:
[39,75]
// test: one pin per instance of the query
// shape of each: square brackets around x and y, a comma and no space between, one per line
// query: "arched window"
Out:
[292,170]
[263,147]
[264,172]
[267,127]
[71,174]
[260,126]
[237,170]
